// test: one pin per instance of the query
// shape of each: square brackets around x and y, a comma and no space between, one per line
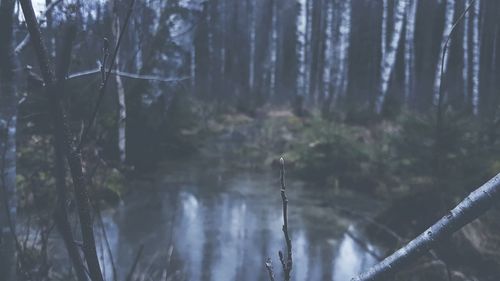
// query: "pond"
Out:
[208,220]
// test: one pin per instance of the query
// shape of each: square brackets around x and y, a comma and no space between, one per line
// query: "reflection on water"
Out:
[223,224]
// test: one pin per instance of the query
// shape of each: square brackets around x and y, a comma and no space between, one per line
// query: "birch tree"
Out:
[301,47]
[308,45]
[448,24]
[274,47]
[409,49]
[383,33]
[389,58]
[475,59]
[252,26]
[328,50]
[8,124]
[465,56]
[120,90]
[343,50]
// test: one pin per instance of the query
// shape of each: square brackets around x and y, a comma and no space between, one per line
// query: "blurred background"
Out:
[384,126]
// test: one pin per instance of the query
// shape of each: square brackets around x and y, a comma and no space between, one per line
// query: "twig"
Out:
[102,89]
[286,262]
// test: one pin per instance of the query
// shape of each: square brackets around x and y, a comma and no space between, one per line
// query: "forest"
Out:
[189,140]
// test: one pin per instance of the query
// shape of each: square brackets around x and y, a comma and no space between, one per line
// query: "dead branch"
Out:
[474,205]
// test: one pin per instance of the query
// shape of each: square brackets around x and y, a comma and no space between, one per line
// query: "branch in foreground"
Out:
[474,205]
[286,261]
[26,39]
[287,264]
[64,138]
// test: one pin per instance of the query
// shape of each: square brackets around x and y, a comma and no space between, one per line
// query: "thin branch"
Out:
[64,136]
[26,39]
[439,113]
[473,206]
[102,89]
[129,75]
[286,262]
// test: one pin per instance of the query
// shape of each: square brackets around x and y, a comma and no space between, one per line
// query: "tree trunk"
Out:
[343,50]
[328,51]
[475,59]
[122,108]
[448,24]
[301,47]
[65,137]
[465,48]
[274,47]
[252,26]
[410,50]
[8,125]
[389,60]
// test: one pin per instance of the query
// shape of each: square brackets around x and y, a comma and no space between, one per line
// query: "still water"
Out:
[221,223]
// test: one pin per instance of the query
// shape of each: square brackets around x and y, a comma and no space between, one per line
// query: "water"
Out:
[222,223]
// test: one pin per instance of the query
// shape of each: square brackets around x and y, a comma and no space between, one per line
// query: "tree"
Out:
[8,125]
[475,58]
[448,24]
[389,58]
[409,49]
[120,90]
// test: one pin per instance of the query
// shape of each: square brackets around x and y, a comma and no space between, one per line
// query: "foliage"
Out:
[457,158]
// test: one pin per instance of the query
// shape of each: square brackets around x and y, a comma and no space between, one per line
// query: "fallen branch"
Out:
[473,206]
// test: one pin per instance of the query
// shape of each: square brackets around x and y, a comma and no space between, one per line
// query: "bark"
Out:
[465,48]
[410,50]
[308,46]
[8,122]
[343,50]
[448,24]
[389,59]
[274,47]
[301,47]
[61,213]
[120,90]
[192,68]
[475,59]
[65,138]
[473,206]
[251,71]
[328,50]
[383,35]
